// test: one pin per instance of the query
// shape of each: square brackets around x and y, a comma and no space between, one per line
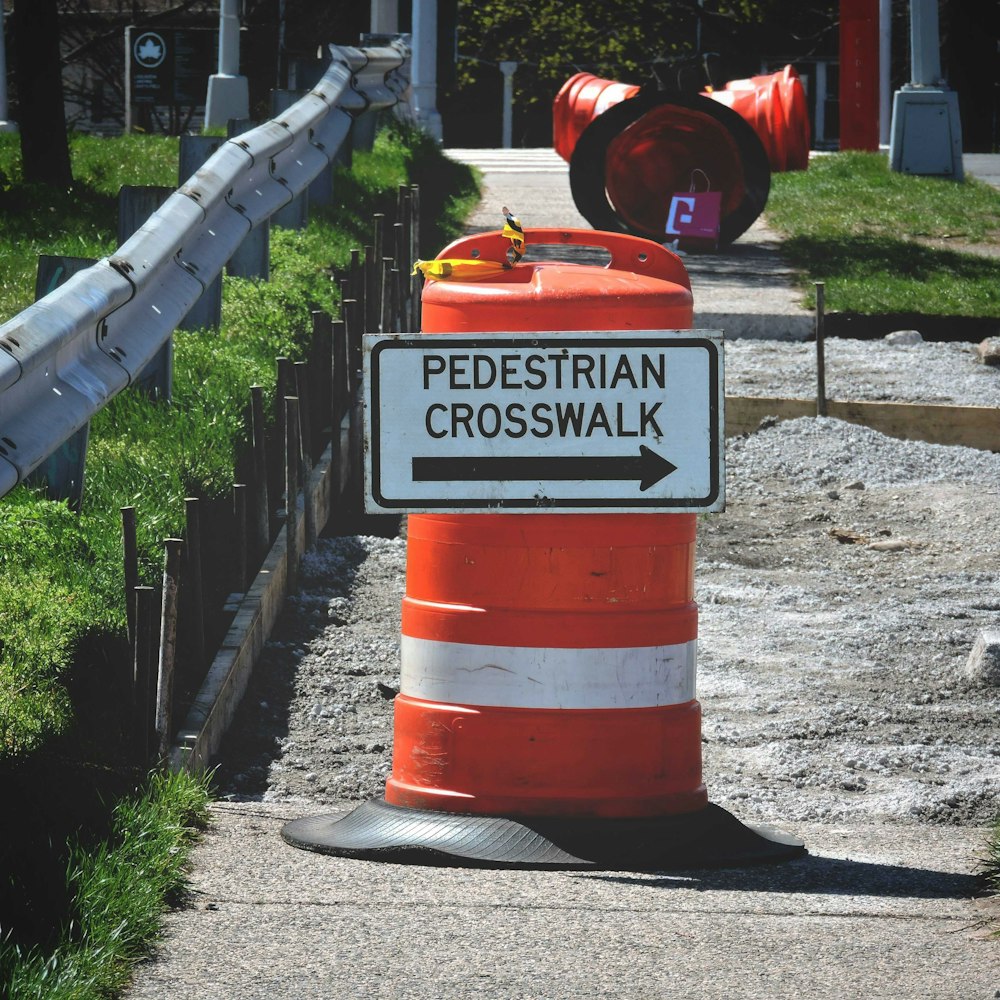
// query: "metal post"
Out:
[385,17]
[925,44]
[291,492]
[424,68]
[340,366]
[820,129]
[240,535]
[820,350]
[508,68]
[143,602]
[262,508]
[885,70]
[131,556]
[305,448]
[228,92]
[168,644]
[196,606]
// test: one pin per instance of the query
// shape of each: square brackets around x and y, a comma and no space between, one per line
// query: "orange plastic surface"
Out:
[775,106]
[547,762]
[576,581]
[665,152]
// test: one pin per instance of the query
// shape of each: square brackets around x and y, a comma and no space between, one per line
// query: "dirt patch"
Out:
[831,667]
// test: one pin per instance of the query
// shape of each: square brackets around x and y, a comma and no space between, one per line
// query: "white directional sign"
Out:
[621,421]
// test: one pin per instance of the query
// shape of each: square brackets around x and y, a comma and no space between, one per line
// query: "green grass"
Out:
[58,592]
[867,233]
[78,221]
[120,888]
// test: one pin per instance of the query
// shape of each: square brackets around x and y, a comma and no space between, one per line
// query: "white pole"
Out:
[885,70]
[229,38]
[424,80]
[925,43]
[820,129]
[385,17]
[508,68]
[228,92]
[5,126]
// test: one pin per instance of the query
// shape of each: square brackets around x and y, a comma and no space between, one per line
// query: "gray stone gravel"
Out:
[873,370]
[841,593]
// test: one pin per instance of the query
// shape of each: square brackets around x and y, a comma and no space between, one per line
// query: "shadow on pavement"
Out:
[815,875]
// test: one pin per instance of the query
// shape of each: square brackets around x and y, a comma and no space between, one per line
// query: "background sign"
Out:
[623,421]
[170,66]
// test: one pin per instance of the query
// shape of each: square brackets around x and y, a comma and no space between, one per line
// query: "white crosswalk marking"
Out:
[511,161]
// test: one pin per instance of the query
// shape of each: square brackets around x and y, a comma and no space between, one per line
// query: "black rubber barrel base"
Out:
[378,831]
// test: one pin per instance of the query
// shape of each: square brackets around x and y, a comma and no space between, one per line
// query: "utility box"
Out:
[926,136]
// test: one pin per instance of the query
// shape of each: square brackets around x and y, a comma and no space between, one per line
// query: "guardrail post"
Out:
[135,206]
[207,311]
[363,131]
[63,472]
[294,215]
[252,258]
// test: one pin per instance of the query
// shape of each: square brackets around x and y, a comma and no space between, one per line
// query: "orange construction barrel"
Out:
[580,100]
[635,154]
[775,107]
[547,712]
[534,644]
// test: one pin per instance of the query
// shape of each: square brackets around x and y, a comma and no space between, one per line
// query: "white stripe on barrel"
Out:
[528,677]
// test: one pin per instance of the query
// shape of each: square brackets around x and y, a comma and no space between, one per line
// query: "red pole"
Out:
[859,74]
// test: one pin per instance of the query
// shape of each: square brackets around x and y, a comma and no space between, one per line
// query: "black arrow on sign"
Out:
[648,467]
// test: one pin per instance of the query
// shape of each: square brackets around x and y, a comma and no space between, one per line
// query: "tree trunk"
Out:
[41,116]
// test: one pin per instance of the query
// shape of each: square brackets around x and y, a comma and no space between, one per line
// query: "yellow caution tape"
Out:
[477,270]
[513,231]
[459,270]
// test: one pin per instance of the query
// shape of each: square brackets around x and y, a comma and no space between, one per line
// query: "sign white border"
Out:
[586,479]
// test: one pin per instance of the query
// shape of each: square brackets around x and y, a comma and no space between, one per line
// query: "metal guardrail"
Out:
[65,357]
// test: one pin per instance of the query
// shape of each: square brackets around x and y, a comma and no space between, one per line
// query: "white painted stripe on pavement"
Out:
[511,160]
[527,677]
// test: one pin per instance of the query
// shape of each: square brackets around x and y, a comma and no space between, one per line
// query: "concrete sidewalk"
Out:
[874,911]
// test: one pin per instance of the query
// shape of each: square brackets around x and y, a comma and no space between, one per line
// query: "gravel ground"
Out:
[840,595]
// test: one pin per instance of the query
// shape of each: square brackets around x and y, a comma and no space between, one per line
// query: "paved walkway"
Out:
[873,911]
[748,291]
